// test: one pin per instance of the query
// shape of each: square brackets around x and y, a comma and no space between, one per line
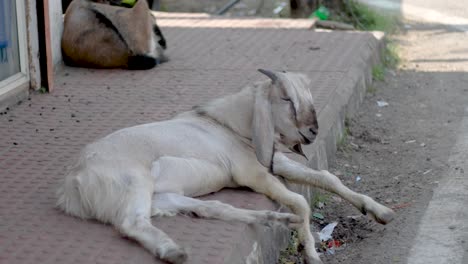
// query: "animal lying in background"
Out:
[156,169]
[103,34]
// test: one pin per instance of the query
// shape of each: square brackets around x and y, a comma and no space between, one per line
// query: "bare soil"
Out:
[397,153]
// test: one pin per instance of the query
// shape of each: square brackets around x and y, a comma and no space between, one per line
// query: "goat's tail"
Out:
[69,198]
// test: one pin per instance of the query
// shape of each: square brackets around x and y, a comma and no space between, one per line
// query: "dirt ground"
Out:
[397,153]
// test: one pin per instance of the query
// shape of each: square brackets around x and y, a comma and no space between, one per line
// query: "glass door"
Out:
[13,49]
[9,49]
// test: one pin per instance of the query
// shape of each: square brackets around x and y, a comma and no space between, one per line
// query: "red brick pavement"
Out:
[41,136]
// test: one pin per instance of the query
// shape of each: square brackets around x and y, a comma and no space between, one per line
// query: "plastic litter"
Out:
[426,172]
[358,178]
[128,3]
[279,8]
[318,216]
[321,13]
[334,244]
[326,232]
[382,103]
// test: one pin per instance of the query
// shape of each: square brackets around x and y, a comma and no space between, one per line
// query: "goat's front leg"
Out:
[172,202]
[296,172]
[265,183]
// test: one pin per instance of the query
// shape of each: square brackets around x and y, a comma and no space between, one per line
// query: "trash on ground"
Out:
[318,216]
[279,8]
[334,244]
[410,141]
[326,232]
[382,103]
[422,144]
[320,205]
[426,172]
[129,3]
[358,178]
[378,115]
[321,13]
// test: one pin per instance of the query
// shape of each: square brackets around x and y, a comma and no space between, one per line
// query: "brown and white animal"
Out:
[97,34]
[155,169]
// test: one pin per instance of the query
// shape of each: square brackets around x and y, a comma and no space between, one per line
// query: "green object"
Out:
[318,216]
[321,13]
[129,3]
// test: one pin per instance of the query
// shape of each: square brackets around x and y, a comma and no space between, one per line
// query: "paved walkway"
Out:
[41,136]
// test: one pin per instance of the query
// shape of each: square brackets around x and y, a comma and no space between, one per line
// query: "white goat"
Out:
[155,169]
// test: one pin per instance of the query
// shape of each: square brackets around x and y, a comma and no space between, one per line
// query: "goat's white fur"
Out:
[155,169]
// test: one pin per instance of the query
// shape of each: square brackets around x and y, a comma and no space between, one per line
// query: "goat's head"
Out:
[283,113]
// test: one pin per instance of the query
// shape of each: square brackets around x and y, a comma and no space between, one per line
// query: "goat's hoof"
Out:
[293,220]
[309,258]
[384,217]
[287,219]
[312,260]
[175,255]
[381,214]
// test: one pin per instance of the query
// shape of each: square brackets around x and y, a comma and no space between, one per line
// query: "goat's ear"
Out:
[269,74]
[262,128]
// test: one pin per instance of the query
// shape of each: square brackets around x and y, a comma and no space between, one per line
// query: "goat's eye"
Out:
[293,109]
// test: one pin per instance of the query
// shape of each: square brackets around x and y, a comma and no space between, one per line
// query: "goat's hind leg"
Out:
[176,203]
[297,172]
[136,224]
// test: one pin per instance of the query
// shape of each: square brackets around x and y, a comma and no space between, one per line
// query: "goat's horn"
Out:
[269,74]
